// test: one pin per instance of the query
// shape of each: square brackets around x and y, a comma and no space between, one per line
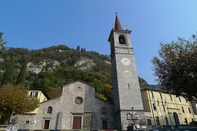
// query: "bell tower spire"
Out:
[117,23]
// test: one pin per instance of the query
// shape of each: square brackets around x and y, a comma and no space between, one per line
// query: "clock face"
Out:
[127,74]
[125,61]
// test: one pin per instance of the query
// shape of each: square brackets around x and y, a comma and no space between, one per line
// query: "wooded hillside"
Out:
[51,68]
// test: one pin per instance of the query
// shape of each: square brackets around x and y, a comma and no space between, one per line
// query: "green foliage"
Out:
[142,82]
[2,43]
[22,73]
[8,76]
[52,78]
[15,100]
[42,81]
[176,67]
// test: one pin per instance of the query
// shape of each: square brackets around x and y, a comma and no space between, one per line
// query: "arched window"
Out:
[154,105]
[176,118]
[103,110]
[49,110]
[122,39]
[157,120]
[186,122]
[166,119]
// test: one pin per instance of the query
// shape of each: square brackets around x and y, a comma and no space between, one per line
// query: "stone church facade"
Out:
[76,108]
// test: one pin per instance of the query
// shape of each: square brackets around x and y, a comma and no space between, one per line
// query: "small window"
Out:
[27,122]
[33,94]
[182,109]
[170,97]
[160,95]
[103,110]
[78,100]
[186,122]
[154,106]
[49,110]
[152,94]
[149,122]
[179,99]
[189,110]
[163,107]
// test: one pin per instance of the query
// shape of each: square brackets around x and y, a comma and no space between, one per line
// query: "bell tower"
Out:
[126,89]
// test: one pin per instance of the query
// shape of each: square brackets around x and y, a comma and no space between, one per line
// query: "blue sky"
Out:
[36,24]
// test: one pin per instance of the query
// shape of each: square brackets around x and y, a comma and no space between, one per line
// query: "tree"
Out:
[42,81]
[142,82]
[15,100]
[22,73]
[78,48]
[176,68]
[2,43]
[9,73]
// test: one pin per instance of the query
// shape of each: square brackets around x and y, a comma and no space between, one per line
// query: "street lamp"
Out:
[134,117]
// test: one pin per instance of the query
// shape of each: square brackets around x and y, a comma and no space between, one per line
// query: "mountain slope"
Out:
[51,68]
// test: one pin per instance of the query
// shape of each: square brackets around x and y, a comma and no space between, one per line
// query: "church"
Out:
[76,108]
[79,108]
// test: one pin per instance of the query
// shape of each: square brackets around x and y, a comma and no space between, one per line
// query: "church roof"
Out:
[117,23]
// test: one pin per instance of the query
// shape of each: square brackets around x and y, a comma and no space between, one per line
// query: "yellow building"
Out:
[14,118]
[166,108]
[39,95]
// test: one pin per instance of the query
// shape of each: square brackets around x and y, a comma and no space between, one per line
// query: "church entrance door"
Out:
[104,124]
[76,122]
[46,124]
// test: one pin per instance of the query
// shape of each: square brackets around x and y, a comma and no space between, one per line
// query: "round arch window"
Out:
[122,39]
[78,100]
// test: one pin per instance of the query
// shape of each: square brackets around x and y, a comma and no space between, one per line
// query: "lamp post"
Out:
[133,118]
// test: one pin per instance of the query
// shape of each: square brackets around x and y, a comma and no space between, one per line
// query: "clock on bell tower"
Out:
[126,89]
